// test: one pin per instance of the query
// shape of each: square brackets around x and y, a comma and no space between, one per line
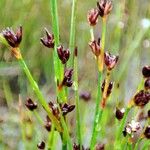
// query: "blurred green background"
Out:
[128,34]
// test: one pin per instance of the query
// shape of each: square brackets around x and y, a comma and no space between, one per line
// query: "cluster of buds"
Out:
[67,80]
[48,41]
[95,47]
[63,54]
[119,113]
[104,7]
[146,74]
[65,109]
[48,124]
[30,104]
[41,145]
[110,60]
[141,98]
[13,40]
[131,128]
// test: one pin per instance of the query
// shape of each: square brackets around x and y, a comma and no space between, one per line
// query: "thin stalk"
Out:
[58,66]
[72,31]
[137,144]
[78,121]
[38,117]
[98,110]
[51,138]
[37,91]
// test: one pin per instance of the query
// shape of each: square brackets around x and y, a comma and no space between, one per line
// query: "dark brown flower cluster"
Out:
[41,145]
[77,147]
[86,96]
[48,41]
[67,80]
[95,47]
[119,113]
[63,54]
[142,98]
[110,60]
[13,39]
[65,109]
[146,74]
[104,7]
[48,124]
[147,132]
[30,104]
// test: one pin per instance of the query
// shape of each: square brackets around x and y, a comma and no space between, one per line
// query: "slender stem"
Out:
[72,31]
[137,144]
[36,89]
[98,110]
[36,114]
[78,121]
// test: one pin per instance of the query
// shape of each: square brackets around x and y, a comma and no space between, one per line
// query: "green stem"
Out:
[137,144]
[78,121]
[37,91]
[72,31]
[36,114]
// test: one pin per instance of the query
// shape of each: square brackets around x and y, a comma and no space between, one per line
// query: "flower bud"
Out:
[95,47]
[41,145]
[86,96]
[66,108]
[119,113]
[63,54]
[110,60]
[104,7]
[141,98]
[146,71]
[48,124]
[48,41]
[13,39]
[30,104]
[100,147]
[93,17]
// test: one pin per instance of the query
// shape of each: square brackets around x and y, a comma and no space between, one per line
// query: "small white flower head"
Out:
[145,23]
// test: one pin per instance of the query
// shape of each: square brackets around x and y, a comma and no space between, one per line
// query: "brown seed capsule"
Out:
[119,113]
[110,60]
[13,39]
[93,17]
[66,108]
[48,124]
[100,146]
[95,47]
[54,109]
[63,54]
[41,145]
[148,113]
[104,7]
[86,96]
[147,132]
[30,104]
[146,71]
[48,41]
[67,81]
[147,84]
[142,98]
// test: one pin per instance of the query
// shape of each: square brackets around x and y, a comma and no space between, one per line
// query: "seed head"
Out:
[147,132]
[142,98]
[30,104]
[146,71]
[100,146]
[119,113]
[67,81]
[93,17]
[147,84]
[110,60]
[41,145]
[95,47]
[66,108]
[48,41]
[104,7]
[63,54]
[13,39]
